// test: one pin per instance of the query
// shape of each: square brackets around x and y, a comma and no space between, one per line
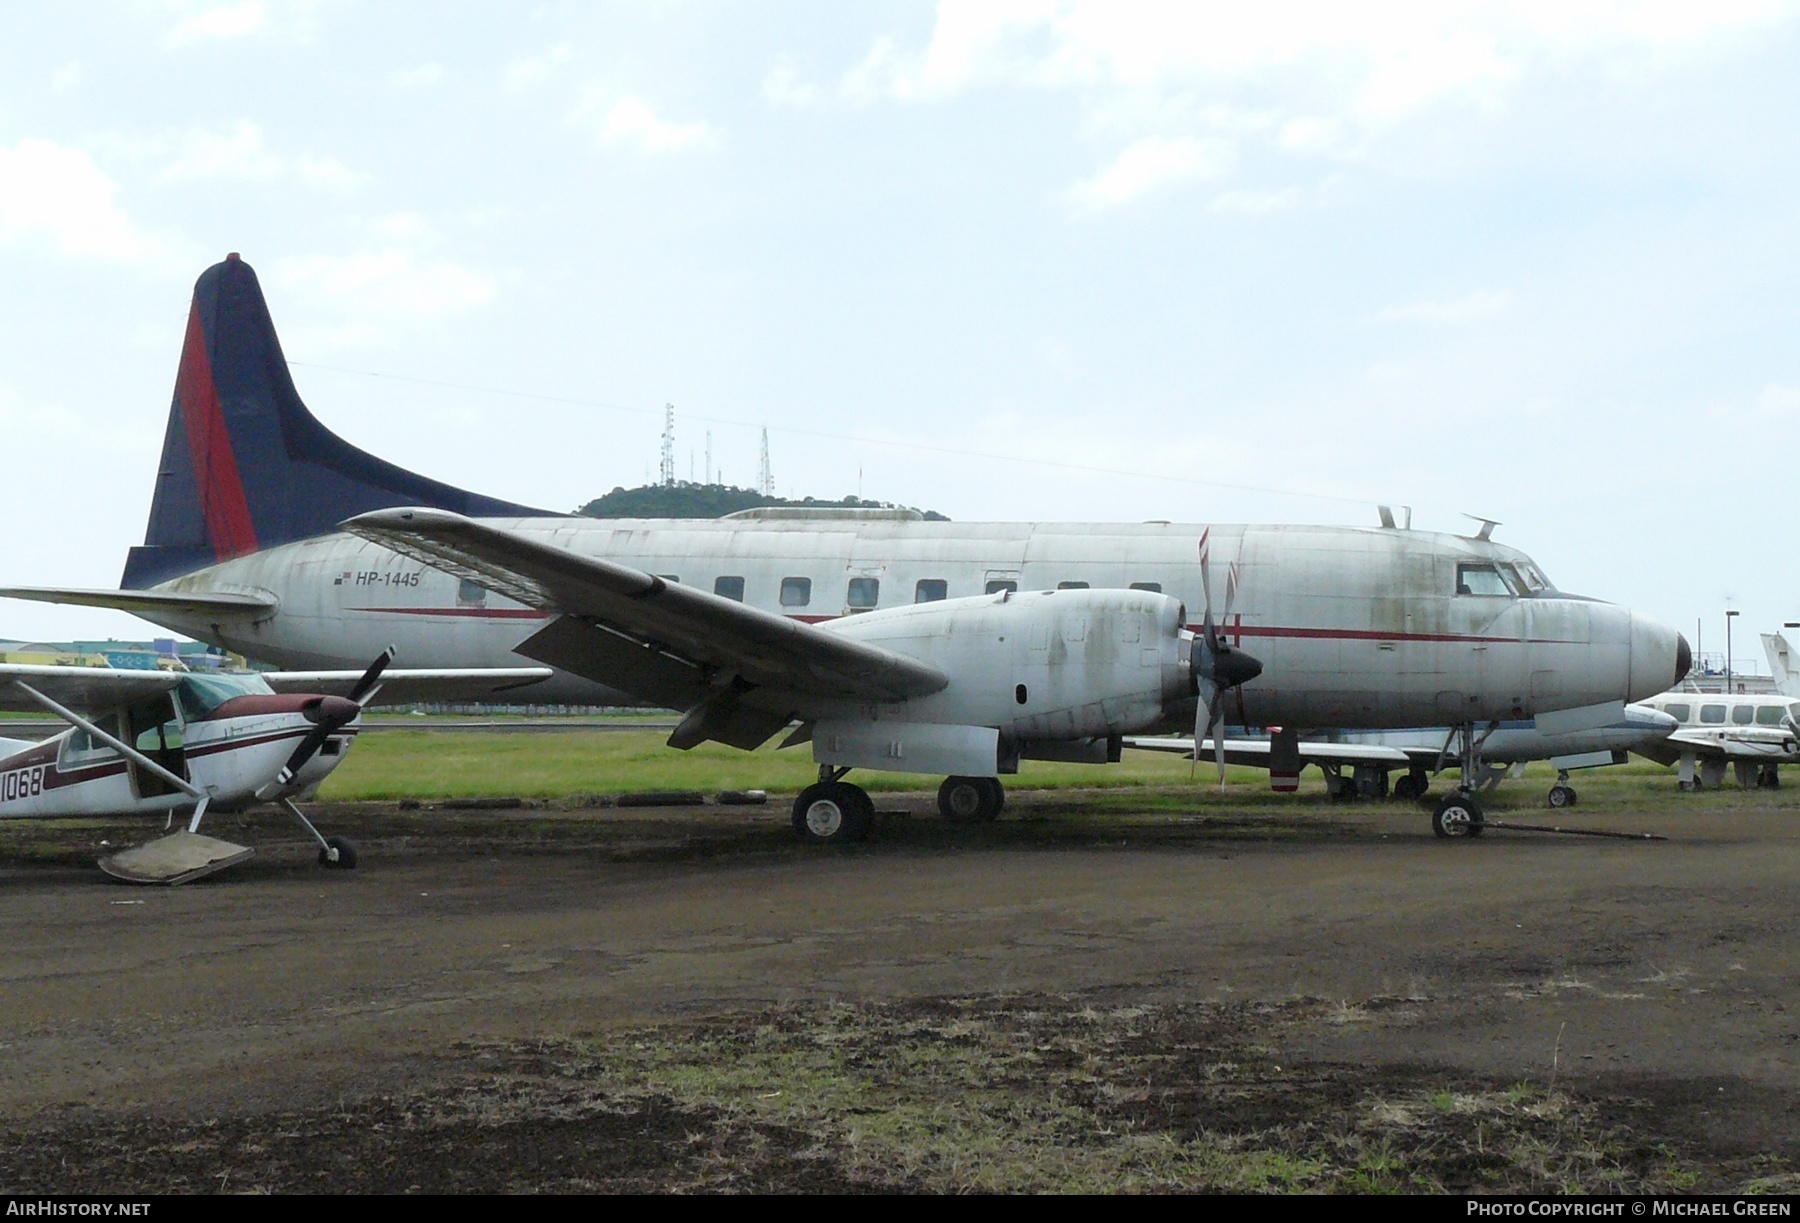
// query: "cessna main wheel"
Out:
[1457,816]
[339,853]
[971,800]
[833,812]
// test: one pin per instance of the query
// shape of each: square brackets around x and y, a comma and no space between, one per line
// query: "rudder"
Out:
[244,464]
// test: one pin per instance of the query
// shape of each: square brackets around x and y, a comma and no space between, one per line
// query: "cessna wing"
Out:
[209,605]
[407,685]
[79,687]
[1254,753]
[659,640]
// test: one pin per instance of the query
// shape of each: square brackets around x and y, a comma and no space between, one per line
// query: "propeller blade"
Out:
[1217,730]
[1212,636]
[372,676]
[329,715]
[1231,589]
[1207,692]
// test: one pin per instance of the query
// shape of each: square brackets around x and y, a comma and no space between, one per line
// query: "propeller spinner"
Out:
[330,714]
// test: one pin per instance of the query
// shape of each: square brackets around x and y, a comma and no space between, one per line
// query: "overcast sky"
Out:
[1532,261]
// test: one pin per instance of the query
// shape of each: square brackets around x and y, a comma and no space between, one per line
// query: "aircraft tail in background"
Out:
[244,464]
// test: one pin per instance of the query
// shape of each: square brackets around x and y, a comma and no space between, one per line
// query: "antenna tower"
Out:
[765,479]
[668,445]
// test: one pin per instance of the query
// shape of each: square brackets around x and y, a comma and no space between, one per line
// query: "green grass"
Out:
[427,765]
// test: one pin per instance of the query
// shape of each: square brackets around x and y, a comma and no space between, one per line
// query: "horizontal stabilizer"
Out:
[216,605]
[405,686]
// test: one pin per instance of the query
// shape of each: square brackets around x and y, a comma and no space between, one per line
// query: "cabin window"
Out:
[1743,715]
[1071,585]
[1770,715]
[1154,588]
[997,585]
[81,744]
[863,594]
[931,590]
[1680,713]
[1712,715]
[729,588]
[470,594]
[796,592]
[1480,580]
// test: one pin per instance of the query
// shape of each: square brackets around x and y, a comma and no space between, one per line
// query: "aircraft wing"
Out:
[664,642]
[1255,752]
[182,603]
[408,685]
[1727,745]
[80,688]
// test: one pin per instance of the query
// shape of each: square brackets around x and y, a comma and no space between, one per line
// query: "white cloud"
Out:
[1460,310]
[1148,164]
[424,76]
[372,291]
[67,77]
[59,195]
[783,87]
[1258,203]
[240,153]
[529,73]
[631,121]
[226,21]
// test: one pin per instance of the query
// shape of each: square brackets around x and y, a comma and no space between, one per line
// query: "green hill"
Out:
[688,500]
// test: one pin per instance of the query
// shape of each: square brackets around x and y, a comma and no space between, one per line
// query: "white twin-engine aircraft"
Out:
[895,643]
[162,742]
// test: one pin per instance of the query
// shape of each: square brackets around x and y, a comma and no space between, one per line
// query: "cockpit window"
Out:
[1532,576]
[199,695]
[1480,580]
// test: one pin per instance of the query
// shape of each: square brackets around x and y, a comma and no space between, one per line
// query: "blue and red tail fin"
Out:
[244,464]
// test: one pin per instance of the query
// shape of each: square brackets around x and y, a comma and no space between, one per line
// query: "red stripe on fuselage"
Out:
[228,523]
[485,613]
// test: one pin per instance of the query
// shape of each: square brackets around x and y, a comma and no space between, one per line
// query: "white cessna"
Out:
[1361,628]
[144,742]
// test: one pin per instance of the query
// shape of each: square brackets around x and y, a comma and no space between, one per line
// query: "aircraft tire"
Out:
[1411,787]
[1457,816]
[833,813]
[346,854]
[996,798]
[970,800]
[1562,796]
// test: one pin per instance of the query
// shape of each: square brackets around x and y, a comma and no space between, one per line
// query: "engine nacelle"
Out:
[1043,667]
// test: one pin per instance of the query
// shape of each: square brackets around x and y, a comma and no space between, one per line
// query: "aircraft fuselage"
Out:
[1355,627]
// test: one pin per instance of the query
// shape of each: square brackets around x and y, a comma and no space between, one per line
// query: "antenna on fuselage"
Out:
[1387,517]
[1487,526]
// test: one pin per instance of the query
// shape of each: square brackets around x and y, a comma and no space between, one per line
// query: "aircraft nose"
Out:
[1659,657]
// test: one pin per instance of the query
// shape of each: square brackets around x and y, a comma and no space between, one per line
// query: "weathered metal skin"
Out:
[1356,628]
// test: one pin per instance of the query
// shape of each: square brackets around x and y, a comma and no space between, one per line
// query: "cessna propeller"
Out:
[1216,665]
[329,715]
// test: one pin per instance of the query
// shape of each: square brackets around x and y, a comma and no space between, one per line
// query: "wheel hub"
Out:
[824,818]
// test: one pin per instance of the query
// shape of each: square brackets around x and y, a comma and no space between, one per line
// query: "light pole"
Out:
[1729,614]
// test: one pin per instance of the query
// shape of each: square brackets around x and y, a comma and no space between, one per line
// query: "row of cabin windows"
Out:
[863,594]
[1713,714]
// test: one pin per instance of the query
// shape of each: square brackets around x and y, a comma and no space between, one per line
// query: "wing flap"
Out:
[1255,752]
[719,637]
[407,685]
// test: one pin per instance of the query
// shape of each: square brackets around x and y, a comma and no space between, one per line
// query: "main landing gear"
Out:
[832,811]
[971,800]
[1413,786]
[336,852]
